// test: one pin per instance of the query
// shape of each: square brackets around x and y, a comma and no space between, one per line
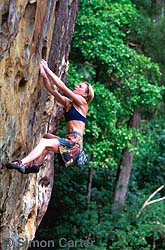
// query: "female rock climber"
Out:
[75,111]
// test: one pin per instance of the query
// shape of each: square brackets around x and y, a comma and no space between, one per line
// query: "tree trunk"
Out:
[89,186]
[125,168]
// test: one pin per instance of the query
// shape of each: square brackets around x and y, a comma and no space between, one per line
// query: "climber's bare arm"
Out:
[60,98]
[79,100]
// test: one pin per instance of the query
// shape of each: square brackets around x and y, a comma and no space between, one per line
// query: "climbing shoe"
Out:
[32,168]
[17,164]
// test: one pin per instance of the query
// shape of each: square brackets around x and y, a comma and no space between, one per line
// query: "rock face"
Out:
[29,30]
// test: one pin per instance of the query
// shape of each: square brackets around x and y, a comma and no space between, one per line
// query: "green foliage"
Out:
[149,7]
[105,49]
[101,128]
[150,30]
[78,220]
[124,80]
[100,26]
[150,157]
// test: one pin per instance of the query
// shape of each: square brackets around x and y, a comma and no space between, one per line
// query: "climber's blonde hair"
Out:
[90,92]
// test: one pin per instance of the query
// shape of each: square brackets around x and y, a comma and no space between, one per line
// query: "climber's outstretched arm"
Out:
[56,80]
[60,98]
[79,100]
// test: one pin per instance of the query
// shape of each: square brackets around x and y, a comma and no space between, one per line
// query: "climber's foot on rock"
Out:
[32,168]
[17,164]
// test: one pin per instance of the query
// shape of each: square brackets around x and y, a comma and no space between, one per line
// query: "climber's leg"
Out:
[44,144]
[48,142]
[39,151]
[34,167]
[50,136]
[40,159]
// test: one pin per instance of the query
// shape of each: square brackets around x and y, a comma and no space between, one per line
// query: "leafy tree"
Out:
[101,40]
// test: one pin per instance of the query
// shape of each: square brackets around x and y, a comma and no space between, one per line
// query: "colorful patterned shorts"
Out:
[71,148]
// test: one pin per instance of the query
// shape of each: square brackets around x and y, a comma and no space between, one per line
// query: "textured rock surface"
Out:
[29,30]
